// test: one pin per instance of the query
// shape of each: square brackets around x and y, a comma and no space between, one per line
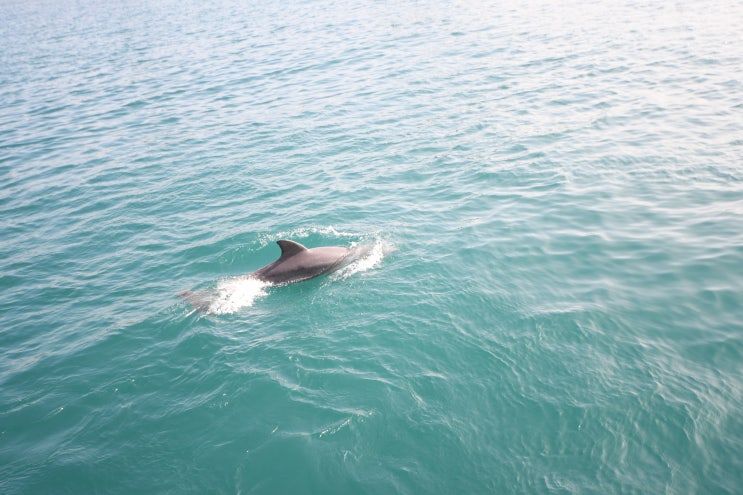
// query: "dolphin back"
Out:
[297,263]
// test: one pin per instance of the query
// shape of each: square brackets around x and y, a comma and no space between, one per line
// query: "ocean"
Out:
[552,198]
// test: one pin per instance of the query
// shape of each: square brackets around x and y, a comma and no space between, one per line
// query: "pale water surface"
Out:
[554,196]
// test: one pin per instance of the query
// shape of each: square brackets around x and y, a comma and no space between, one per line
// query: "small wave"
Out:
[303,232]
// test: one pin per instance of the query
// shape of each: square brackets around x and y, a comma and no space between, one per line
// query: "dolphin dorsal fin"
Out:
[290,248]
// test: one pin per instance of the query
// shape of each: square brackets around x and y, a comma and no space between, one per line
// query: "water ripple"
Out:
[552,299]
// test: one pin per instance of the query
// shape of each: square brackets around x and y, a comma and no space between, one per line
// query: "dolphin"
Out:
[298,263]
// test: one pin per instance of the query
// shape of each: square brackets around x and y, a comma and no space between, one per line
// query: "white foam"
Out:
[233,294]
[302,232]
[369,260]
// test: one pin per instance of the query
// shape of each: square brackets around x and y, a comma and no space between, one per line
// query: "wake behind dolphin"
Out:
[296,263]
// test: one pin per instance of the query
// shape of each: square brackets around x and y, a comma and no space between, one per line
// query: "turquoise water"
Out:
[552,193]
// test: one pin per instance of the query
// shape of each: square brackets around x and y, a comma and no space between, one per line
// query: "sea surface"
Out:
[552,197]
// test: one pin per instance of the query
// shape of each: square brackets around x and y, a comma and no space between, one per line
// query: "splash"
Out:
[371,258]
[233,294]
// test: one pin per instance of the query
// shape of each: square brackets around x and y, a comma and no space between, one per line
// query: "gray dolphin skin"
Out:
[298,263]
